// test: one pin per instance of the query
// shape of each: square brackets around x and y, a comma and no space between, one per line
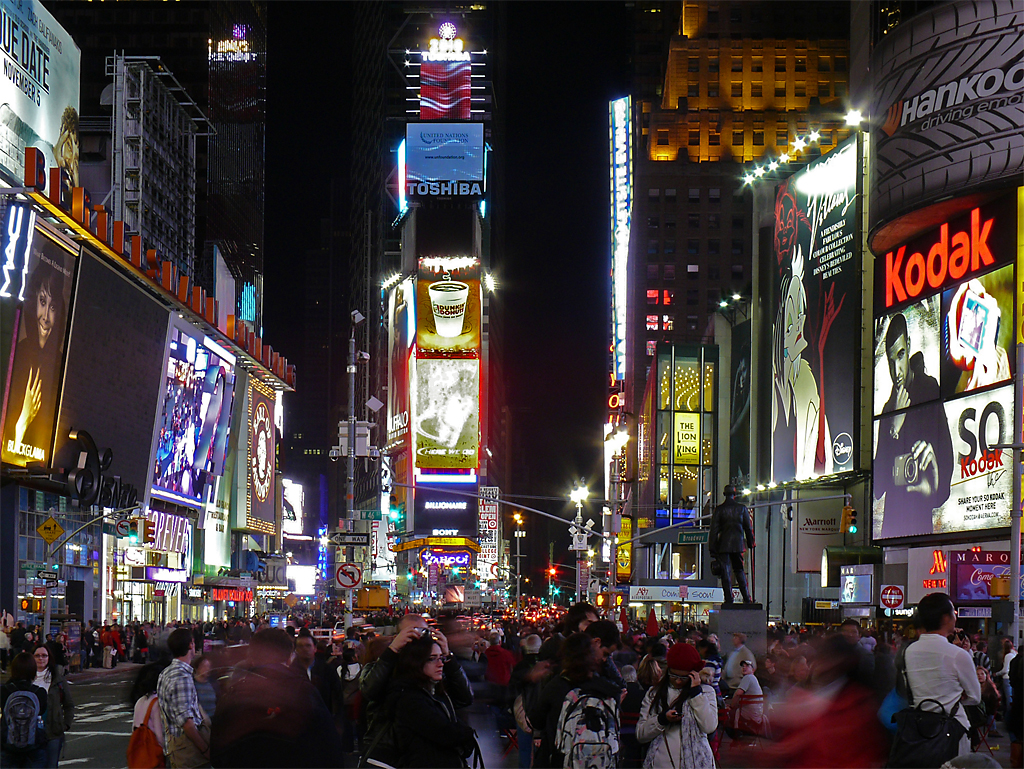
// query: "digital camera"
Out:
[905,470]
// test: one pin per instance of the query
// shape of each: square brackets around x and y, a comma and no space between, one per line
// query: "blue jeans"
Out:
[54,748]
[525,748]
[33,760]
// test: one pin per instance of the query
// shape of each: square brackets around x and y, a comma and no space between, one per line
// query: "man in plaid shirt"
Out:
[186,734]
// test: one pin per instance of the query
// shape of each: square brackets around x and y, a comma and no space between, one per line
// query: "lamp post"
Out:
[578,495]
[519,534]
[616,443]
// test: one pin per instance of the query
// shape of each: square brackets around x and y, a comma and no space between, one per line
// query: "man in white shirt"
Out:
[938,670]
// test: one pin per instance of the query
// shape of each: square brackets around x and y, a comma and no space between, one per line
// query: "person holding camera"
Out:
[915,444]
[678,714]
[375,682]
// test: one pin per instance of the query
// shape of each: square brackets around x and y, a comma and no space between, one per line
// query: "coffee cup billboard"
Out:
[448,306]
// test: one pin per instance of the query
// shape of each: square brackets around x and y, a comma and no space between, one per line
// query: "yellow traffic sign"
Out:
[290,600]
[50,530]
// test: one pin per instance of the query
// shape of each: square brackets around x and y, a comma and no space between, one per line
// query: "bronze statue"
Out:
[728,540]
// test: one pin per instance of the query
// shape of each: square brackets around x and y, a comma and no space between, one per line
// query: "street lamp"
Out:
[578,494]
[519,534]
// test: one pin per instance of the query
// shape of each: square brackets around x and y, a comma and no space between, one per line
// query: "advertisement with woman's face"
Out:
[40,329]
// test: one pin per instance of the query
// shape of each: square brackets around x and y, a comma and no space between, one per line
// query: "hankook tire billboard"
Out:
[948,101]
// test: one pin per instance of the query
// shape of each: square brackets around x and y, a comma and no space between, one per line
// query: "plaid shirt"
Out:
[179,702]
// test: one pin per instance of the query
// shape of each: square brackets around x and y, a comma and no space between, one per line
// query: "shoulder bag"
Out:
[924,738]
[144,752]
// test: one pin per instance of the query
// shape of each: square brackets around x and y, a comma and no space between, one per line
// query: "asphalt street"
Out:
[103,723]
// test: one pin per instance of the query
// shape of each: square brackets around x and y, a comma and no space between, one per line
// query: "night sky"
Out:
[565,62]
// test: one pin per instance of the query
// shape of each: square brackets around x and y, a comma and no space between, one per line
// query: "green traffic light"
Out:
[853,528]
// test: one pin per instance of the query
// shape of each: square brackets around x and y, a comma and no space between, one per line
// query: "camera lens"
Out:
[910,469]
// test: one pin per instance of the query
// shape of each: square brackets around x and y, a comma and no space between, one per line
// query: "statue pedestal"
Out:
[747,618]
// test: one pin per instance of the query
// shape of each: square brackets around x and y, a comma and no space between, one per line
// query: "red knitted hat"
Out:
[684,657]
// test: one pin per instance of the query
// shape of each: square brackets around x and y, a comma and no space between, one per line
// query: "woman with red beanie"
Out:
[678,715]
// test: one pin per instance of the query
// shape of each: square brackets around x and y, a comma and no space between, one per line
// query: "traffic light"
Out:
[552,571]
[133,533]
[602,601]
[148,532]
[849,520]
[395,511]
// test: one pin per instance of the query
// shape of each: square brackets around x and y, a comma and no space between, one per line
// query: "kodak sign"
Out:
[965,247]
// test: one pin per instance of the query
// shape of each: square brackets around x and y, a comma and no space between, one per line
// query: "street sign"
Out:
[49,574]
[122,528]
[290,600]
[367,515]
[349,576]
[892,596]
[39,591]
[693,537]
[472,597]
[353,539]
[50,530]
[32,566]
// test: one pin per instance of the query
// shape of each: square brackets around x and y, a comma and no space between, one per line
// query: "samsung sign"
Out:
[444,160]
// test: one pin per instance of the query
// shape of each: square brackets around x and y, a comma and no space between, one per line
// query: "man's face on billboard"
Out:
[899,362]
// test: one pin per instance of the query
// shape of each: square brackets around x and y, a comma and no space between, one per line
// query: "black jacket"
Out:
[730,529]
[375,685]
[325,680]
[271,716]
[427,731]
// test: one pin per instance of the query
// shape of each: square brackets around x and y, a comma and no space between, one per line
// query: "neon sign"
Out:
[448,47]
[622,194]
[445,558]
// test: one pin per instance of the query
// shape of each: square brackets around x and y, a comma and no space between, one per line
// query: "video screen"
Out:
[198,394]
[908,359]
[855,588]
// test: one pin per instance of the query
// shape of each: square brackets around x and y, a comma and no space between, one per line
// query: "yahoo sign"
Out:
[446,558]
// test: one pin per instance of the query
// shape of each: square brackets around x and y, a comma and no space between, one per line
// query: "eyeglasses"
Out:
[436,657]
[677,676]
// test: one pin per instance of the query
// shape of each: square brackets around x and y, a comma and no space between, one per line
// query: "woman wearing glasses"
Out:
[60,708]
[678,715]
[427,731]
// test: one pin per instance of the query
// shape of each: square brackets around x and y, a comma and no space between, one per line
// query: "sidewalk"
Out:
[92,674]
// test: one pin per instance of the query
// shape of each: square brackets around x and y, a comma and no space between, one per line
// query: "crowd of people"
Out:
[569,691]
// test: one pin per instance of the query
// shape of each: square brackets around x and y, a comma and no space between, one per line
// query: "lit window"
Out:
[652,346]
[652,322]
[667,322]
[669,297]
[800,89]
[694,194]
[692,269]
[755,90]
[652,296]
[737,138]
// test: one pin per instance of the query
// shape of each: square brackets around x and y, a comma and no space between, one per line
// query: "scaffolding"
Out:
[153,174]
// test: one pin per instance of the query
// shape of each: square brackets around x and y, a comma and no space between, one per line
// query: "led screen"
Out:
[814,276]
[193,436]
[260,507]
[40,292]
[441,514]
[445,88]
[444,152]
[302,579]
[401,337]
[971,574]
[447,413]
[292,503]
[855,588]
[448,306]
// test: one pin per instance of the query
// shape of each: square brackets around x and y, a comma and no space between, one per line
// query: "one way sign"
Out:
[350,539]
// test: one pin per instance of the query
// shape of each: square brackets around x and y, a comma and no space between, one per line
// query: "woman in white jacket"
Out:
[678,714]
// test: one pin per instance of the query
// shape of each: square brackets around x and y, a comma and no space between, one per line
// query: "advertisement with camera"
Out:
[943,372]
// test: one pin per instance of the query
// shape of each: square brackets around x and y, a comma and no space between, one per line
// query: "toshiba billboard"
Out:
[943,372]
[948,101]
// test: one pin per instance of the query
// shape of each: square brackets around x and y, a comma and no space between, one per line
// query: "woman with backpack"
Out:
[60,708]
[22,732]
[146,746]
[678,714]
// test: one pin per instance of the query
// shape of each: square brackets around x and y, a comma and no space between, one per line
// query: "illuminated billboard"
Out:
[815,282]
[292,504]
[401,337]
[620,149]
[448,306]
[39,93]
[948,94]
[445,77]
[198,391]
[260,508]
[488,524]
[448,155]
[944,370]
[439,513]
[35,291]
[446,413]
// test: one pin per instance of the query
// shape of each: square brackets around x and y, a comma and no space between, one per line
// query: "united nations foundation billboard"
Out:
[949,85]
[944,368]
[39,91]
[815,283]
